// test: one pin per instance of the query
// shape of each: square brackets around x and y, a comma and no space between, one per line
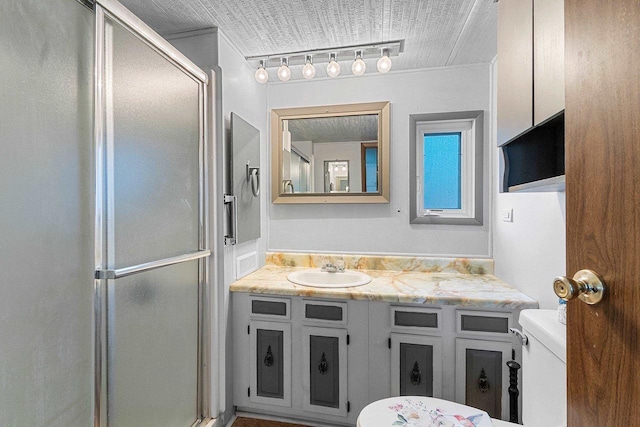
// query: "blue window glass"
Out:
[371,169]
[442,170]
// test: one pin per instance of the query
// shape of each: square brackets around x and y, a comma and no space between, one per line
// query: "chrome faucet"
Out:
[330,267]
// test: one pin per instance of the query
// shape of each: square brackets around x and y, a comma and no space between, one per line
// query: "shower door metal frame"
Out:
[118,13]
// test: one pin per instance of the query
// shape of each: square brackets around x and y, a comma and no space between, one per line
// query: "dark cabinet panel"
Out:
[416,365]
[482,376]
[269,363]
[416,370]
[415,319]
[484,380]
[268,307]
[270,360]
[324,371]
[323,312]
[484,324]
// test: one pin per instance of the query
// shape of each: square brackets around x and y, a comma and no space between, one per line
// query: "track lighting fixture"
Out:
[329,56]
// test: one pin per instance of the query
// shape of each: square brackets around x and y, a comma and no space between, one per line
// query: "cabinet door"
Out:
[482,376]
[548,59]
[270,363]
[515,68]
[325,370]
[416,365]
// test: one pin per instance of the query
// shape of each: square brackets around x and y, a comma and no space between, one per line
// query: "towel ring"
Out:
[253,175]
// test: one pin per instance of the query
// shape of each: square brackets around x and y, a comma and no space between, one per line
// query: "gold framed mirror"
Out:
[330,154]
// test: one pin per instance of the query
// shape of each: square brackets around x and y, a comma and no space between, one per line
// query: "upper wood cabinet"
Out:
[530,64]
[548,59]
[515,68]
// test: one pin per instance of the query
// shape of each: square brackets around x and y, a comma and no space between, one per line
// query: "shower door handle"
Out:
[232,238]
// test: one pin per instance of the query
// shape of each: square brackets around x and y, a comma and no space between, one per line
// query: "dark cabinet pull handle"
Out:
[323,367]
[416,375]
[483,383]
[268,358]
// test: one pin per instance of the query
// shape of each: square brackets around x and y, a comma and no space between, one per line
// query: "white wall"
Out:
[241,94]
[385,228]
[238,92]
[530,251]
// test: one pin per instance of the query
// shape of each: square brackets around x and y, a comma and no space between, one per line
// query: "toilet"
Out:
[543,386]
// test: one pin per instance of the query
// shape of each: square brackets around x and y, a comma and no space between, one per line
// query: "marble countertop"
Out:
[439,287]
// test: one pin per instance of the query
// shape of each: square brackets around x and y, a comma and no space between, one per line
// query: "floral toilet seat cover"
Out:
[418,411]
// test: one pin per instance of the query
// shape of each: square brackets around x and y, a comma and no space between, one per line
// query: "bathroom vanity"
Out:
[423,326]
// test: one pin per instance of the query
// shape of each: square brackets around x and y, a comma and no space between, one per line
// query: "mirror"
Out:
[331,154]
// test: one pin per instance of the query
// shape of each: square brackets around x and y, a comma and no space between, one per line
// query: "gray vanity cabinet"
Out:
[324,360]
[304,358]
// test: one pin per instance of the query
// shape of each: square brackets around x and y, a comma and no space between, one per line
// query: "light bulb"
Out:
[335,168]
[261,74]
[333,69]
[284,73]
[308,71]
[384,63]
[359,67]
[344,168]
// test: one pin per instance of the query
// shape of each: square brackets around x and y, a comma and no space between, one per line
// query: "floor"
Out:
[253,422]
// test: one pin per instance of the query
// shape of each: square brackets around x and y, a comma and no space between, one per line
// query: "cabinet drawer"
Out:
[414,318]
[326,312]
[483,323]
[270,308]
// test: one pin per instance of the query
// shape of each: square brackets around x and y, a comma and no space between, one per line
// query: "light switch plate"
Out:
[507,215]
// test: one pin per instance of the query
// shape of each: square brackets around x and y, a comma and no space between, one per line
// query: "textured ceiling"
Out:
[436,32]
[335,129]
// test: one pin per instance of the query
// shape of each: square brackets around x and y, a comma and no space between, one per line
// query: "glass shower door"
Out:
[151,218]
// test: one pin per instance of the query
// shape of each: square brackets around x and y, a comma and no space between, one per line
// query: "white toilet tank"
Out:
[544,388]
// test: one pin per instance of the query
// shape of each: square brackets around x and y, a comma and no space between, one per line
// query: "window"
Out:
[447,168]
[369,166]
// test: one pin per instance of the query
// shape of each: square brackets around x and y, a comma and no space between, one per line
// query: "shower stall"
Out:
[104,292]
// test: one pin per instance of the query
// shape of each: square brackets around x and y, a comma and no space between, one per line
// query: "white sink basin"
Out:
[322,279]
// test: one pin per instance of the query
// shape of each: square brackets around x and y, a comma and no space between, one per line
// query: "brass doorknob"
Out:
[586,285]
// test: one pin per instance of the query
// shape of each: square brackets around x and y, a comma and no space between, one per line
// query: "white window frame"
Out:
[469,125]
[466,128]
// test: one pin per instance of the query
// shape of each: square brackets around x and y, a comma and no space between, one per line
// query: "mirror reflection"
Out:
[336,176]
[330,154]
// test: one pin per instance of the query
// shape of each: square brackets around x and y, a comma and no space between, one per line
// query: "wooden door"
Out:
[602,63]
